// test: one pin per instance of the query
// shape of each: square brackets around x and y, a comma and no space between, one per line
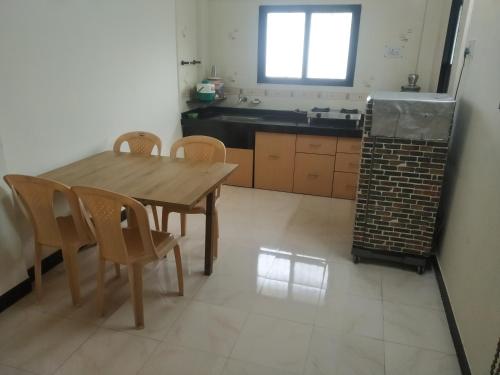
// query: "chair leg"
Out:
[38,271]
[155,217]
[117,270]
[164,220]
[71,266]
[178,265]
[183,225]
[100,286]
[135,280]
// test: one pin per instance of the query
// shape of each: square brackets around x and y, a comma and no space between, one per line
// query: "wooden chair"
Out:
[142,143]
[132,247]
[200,148]
[69,233]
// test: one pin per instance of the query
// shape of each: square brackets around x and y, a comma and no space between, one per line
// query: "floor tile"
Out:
[164,275]
[172,359]
[272,342]
[207,327]
[336,354]
[236,367]
[56,298]
[363,280]
[109,352]
[43,342]
[234,291]
[352,314]
[13,318]
[249,258]
[407,360]
[416,326]
[408,287]
[160,312]
[5,370]
[286,300]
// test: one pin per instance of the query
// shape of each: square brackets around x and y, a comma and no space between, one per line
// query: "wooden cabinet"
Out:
[306,164]
[345,185]
[347,160]
[316,144]
[347,163]
[349,145]
[243,175]
[313,174]
[274,161]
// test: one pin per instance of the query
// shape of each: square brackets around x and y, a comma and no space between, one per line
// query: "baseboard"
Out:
[47,264]
[452,323]
[25,287]
[15,294]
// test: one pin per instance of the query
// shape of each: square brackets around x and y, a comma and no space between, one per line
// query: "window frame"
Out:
[355,9]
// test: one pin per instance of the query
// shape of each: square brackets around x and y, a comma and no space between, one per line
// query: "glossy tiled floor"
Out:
[284,298]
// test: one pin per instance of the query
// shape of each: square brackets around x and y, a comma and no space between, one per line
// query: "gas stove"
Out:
[334,114]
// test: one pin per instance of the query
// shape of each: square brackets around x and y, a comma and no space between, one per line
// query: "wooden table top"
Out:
[157,180]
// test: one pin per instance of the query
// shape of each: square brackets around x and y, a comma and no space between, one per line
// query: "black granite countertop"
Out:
[236,127]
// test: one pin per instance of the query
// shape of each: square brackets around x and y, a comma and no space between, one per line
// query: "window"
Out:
[308,45]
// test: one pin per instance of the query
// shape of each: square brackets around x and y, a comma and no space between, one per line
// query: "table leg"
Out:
[210,236]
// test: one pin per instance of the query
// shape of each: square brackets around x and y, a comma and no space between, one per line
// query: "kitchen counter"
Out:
[236,127]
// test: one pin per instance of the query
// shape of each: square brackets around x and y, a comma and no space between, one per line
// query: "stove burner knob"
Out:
[318,115]
[347,117]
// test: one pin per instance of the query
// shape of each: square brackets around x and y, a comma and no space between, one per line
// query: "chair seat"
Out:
[163,242]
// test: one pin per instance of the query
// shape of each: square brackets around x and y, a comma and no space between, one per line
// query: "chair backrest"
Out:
[36,196]
[200,148]
[105,210]
[139,143]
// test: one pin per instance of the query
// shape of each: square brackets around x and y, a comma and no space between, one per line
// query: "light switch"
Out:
[393,52]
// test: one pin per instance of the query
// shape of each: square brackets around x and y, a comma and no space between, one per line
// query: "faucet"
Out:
[241,98]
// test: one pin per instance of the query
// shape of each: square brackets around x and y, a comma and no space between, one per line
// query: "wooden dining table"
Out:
[177,185]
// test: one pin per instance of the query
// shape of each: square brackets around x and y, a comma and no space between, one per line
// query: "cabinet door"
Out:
[345,185]
[316,144]
[313,174]
[243,175]
[347,163]
[274,160]
[349,145]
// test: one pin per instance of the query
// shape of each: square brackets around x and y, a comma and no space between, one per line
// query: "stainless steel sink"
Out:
[238,118]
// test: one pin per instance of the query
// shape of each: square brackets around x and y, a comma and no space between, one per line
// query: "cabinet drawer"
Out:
[313,174]
[347,163]
[345,185]
[315,144]
[243,175]
[274,160]
[349,145]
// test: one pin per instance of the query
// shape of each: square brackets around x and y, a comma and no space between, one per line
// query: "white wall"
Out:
[418,27]
[74,75]
[470,251]
[188,20]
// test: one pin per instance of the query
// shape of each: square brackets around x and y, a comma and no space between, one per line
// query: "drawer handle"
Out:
[274,157]
[312,175]
[314,145]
